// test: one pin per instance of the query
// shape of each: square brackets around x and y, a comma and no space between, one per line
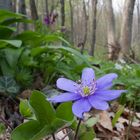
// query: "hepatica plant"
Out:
[89,93]
[50,19]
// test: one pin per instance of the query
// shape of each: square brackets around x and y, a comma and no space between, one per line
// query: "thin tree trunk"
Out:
[33,9]
[85,26]
[43,10]
[22,10]
[126,29]
[52,6]
[62,12]
[46,7]
[93,39]
[71,17]
[14,7]
[113,47]
[22,7]
[138,14]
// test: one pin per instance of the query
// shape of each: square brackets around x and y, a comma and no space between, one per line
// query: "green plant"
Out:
[24,55]
[24,77]
[11,48]
[2,128]
[47,120]
[8,86]
[129,75]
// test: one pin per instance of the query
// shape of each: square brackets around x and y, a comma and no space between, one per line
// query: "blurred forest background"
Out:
[103,28]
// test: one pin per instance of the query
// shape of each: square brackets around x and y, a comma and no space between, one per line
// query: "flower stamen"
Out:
[86,90]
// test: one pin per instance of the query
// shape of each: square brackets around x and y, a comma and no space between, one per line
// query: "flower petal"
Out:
[66,84]
[65,97]
[87,76]
[81,106]
[108,95]
[105,82]
[97,103]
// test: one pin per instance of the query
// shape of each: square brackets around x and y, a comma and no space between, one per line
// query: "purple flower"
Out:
[90,93]
[50,19]
[47,20]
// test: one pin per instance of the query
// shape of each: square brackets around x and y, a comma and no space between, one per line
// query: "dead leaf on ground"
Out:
[105,121]
[138,115]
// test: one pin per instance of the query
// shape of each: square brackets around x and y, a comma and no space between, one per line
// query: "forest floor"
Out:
[126,127]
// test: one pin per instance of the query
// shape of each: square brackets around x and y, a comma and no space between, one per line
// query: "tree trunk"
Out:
[113,47]
[93,36]
[14,7]
[33,9]
[46,7]
[71,20]
[138,14]
[85,26]
[126,29]
[62,12]
[22,7]
[6,4]
[22,10]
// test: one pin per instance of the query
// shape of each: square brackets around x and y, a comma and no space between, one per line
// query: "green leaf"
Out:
[6,32]
[5,14]
[64,116]
[25,108]
[57,124]
[31,38]
[31,130]
[117,115]
[24,76]
[15,43]
[39,50]
[42,133]
[26,131]
[15,20]
[72,51]
[12,56]
[48,121]
[91,122]
[2,128]
[53,38]
[64,111]
[5,68]
[28,35]
[27,60]
[8,85]
[88,135]
[43,110]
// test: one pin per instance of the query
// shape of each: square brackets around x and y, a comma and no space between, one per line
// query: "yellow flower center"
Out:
[86,90]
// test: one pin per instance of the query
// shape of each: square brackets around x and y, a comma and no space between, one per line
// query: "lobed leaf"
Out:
[43,110]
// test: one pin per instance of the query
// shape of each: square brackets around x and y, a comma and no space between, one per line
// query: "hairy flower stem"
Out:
[53,136]
[77,129]
[131,117]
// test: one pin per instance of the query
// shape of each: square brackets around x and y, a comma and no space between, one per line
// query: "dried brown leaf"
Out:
[105,121]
